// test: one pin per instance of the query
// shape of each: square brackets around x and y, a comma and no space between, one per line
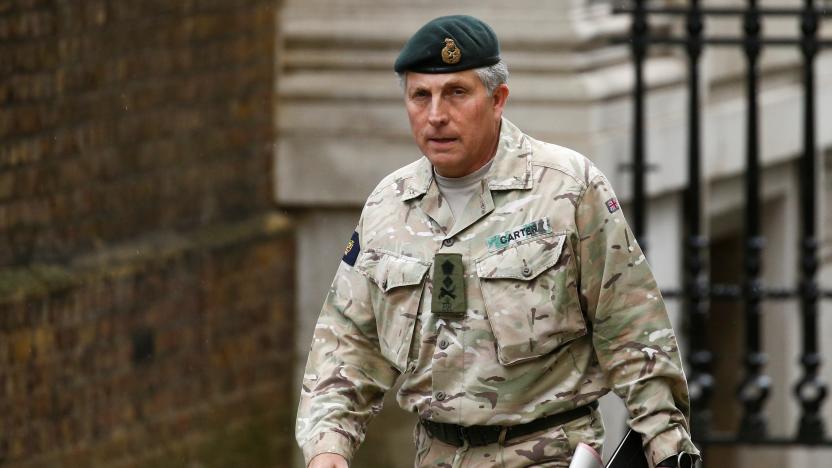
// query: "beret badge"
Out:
[451,53]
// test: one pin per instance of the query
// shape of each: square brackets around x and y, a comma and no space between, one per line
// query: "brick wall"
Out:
[122,115]
[145,283]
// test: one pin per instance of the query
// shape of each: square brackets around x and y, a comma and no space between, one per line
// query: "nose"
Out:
[437,114]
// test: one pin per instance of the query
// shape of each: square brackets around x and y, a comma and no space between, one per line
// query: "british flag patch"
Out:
[612,205]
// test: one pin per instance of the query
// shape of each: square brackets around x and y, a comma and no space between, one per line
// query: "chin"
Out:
[443,164]
[443,159]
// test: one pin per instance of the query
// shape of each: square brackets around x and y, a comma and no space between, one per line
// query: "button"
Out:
[527,272]
[440,396]
[448,242]
[443,344]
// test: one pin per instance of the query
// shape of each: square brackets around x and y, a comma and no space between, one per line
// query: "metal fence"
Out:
[698,292]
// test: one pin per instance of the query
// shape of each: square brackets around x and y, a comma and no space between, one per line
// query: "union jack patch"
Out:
[612,205]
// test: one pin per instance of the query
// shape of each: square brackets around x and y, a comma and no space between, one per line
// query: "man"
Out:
[497,276]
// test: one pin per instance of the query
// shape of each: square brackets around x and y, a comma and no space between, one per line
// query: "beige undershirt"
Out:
[458,191]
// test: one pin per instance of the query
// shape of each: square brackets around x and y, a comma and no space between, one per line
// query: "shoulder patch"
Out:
[351,250]
[612,205]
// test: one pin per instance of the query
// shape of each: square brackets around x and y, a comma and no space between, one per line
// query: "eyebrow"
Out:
[450,84]
[454,83]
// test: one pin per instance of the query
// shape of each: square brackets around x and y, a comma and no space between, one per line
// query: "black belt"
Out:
[478,436]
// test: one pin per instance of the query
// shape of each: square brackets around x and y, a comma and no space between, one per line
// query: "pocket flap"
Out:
[389,270]
[523,261]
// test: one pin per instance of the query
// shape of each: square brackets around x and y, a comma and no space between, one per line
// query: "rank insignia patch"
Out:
[448,285]
[612,205]
[352,249]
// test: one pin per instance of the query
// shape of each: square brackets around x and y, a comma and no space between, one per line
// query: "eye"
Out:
[459,91]
[419,94]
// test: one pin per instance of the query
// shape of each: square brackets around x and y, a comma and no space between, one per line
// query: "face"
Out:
[454,120]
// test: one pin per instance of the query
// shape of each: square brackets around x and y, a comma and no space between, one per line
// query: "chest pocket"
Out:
[531,297]
[396,301]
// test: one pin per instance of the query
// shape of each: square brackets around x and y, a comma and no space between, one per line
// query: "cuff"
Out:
[668,444]
[682,460]
[327,442]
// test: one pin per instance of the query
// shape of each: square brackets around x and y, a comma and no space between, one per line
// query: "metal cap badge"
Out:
[451,53]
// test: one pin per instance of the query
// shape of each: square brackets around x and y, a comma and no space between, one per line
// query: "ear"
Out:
[500,97]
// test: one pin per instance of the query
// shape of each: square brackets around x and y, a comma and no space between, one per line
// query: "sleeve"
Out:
[345,376]
[632,336]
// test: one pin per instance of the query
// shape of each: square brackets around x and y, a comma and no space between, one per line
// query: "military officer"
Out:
[498,278]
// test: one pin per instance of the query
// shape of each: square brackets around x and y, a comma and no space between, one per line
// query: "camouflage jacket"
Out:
[561,308]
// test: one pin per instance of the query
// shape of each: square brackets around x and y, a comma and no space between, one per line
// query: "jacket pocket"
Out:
[396,301]
[531,297]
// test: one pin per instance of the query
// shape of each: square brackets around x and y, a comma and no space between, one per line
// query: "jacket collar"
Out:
[511,169]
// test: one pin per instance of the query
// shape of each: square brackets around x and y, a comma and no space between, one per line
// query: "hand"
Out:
[328,460]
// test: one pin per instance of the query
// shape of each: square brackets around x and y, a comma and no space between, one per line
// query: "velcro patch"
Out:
[526,231]
[448,285]
[352,250]
[612,205]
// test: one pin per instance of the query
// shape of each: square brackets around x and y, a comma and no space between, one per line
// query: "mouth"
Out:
[441,141]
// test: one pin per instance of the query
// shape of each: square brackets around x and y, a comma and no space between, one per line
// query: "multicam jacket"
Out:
[561,308]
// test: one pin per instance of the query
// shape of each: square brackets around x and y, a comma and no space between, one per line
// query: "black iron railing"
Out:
[697,292]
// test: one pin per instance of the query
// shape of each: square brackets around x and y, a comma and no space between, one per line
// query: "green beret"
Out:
[449,44]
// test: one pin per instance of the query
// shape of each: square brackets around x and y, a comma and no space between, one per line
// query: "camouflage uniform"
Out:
[561,309]
[552,447]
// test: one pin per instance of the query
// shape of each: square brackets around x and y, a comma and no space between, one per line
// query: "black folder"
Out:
[630,453]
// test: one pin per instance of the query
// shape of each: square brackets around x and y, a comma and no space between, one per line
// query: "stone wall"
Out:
[146,284]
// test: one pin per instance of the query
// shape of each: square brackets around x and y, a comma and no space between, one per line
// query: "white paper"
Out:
[586,457]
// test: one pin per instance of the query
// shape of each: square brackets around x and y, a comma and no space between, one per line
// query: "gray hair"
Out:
[491,76]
